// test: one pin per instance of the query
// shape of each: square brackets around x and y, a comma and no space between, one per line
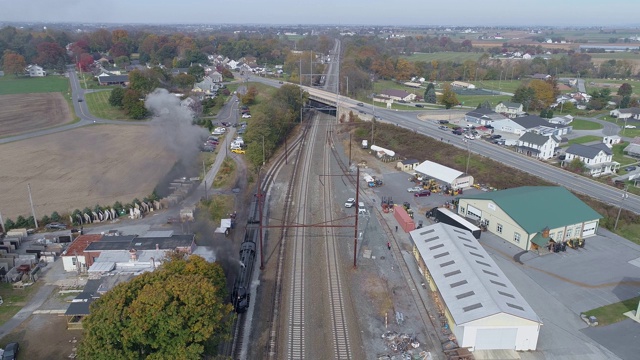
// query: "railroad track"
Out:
[336,298]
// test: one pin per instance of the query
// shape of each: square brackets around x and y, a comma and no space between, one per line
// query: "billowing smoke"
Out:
[172,126]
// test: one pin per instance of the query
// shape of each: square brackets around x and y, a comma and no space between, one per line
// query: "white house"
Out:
[462,84]
[397,95]
[216,77]
[596,158]
[35,71]
[561,120]
[483,116]
[538,146]
[625,114]
[611,140]
[509,109]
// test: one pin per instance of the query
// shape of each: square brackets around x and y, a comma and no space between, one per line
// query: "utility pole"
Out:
[204,180]
[355,227]
[624,196]
[263,156]
[468,157]
[260,204]
[33,211]
[349,149]
[2,224]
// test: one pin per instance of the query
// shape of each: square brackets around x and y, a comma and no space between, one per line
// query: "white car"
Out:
[469,136]
[246,116]
[414,189]
[350,202]
[629,126]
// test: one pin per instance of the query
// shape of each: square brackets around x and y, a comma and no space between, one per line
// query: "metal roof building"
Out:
[531,215]
[456,179]
[481,306]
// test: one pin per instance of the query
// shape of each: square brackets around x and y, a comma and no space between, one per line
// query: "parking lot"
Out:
[559,286]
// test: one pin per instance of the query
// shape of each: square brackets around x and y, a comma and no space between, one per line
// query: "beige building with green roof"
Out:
[532,215]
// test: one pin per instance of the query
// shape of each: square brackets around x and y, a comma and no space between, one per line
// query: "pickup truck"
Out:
[350,202]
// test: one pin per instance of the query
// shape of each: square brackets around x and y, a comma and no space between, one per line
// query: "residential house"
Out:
[509,109]
[538,146]
[633,149]
[534,123]
[543,77]
[206,86]
[407,165]
[35,71]
[596,158]
[561,120]
[73,257]
[626,114]
[611,140]
[177,71]
[232,64]
[113,80]
[483,116]
[463,85]
[216,77]
[397,95]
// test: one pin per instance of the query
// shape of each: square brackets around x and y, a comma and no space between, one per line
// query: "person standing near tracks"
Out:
[388,245]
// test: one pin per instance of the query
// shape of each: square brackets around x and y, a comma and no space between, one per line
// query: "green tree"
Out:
[543,113]
[599,99]
[625,90]
[9,224]
[184,81]
[133,106]
[116,98]
[625,101]
[486,105]
[21,222]
[55,216]
[44,221]
[174,312]
[576,165]
[197,72]
[13,63]
[431,96]
[449,98]
[143,81]
[526,96]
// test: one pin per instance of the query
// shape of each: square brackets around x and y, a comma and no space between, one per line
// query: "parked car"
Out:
[80,100]
[360,104]
[414,189]
[629,168]
[419,105]
[246,116]
[469,136]
[55,226]
[442,127]
[496,136]
[350,202]
[629,126]
[238,151]
[280,82]
[11,351]
[422,193]
[443,121]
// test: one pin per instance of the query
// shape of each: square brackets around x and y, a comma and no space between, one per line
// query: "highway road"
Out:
[410,120]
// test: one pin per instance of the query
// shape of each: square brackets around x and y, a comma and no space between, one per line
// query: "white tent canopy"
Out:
[438,171]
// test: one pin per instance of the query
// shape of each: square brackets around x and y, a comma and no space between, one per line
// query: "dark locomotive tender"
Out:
[241,293]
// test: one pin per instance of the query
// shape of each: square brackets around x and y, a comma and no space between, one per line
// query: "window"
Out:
[74,260]
[486,222]
[499,228]
[462,210]
[568,233]
[516,237]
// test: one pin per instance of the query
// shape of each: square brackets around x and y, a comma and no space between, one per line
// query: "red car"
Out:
[422,193]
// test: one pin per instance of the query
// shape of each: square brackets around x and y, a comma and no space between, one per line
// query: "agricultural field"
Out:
[20,113]
[457,57]
[10,84]
[92,165]
[98,104]
[613,84]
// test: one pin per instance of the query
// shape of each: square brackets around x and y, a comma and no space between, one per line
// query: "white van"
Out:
[361,208]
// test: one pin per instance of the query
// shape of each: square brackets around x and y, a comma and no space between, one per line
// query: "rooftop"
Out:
[438,171]
[469,281]
[534,207]
[81,243]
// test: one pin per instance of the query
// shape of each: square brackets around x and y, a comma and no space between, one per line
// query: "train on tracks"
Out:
[241,293]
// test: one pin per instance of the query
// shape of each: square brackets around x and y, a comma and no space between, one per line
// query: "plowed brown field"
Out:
[82,167]
[20,113]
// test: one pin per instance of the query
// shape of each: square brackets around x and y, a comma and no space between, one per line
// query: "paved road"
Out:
[580,184]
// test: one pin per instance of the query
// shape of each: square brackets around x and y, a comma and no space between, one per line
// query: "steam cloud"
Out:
[172,126]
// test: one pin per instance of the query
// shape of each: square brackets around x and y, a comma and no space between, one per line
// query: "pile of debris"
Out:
[400,342]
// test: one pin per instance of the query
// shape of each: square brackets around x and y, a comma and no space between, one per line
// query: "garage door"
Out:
[489,339]
[474,212]
[589,228]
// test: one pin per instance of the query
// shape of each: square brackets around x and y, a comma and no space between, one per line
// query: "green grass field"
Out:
[613,313]
[98,103]
[474,100]
[584,139]
[592,85]
[9,84]
[456,57]
[619,156]
[585,125]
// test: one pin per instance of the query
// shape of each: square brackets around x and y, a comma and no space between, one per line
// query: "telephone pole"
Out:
[33,211]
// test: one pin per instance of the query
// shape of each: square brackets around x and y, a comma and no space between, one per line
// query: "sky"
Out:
[610,13]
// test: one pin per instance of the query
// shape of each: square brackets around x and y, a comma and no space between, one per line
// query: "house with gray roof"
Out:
[481,307]
[626,114]
[539,146]
[113,80]
[541,77]
[597,159]
[483,116]
[531,215]
[534,123]
[561,120]
[633,149]
[397,95]
[206,86]
[509,109]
